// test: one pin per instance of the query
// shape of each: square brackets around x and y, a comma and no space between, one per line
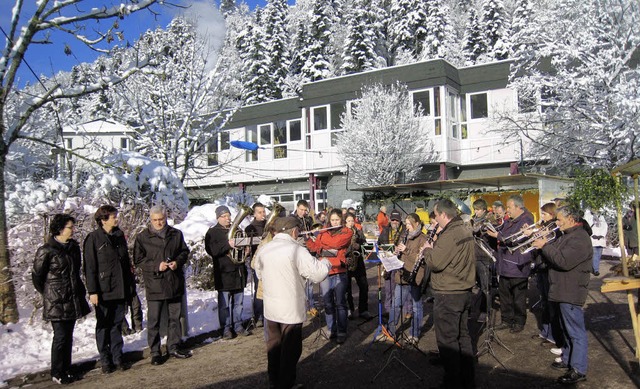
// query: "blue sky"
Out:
[49,59]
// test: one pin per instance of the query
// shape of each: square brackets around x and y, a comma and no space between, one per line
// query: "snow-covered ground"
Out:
[26,348]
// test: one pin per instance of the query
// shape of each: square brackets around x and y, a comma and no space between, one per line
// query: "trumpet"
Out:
[524,233]
[548,232]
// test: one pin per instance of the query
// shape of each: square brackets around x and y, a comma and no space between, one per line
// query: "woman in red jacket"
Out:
[333,244]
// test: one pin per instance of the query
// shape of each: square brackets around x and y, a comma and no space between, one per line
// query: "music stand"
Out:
[316,322]
[490,334]
[382,329]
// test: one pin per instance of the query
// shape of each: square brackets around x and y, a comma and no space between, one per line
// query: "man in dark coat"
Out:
[161,253]
[569,259]
[256,229]
[110,283]
[229,277]
[513,267]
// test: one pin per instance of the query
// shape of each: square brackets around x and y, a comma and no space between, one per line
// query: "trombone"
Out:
[548,232]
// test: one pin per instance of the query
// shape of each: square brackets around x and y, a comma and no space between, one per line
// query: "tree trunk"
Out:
[8,303]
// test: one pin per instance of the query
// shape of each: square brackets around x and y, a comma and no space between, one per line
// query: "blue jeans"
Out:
[574,351]
[597,254]
[334,290]
[230,306]
[407,292]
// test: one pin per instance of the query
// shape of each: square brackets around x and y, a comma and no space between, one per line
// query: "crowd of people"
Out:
[495,251]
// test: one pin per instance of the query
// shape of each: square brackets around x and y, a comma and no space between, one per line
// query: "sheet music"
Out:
[390,261]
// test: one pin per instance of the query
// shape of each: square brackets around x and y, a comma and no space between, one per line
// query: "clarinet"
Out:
[420,261]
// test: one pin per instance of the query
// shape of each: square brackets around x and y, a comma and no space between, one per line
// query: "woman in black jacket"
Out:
[56,275]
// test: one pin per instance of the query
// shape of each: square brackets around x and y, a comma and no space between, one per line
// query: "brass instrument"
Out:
[275,209]
[524,233]
[548,232]
[237,254]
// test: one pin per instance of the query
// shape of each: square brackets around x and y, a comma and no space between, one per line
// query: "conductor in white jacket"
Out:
[283,265]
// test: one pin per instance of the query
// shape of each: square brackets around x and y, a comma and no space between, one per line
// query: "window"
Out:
[337,110]
[251,135]
[320,118]
[452,112]
[479,106]
[124,143]
[265,134]
[224,140]
[463,117]
[212,151]
[295,130]
[437,111]
[353,108]
[422,103]
[279,140]
[69,144]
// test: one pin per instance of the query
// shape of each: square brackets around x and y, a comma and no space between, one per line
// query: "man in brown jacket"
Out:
[451,259]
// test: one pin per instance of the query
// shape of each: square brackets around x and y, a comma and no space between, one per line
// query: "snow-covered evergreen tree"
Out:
[408,29]
[439,31]
[359,52]
[276,44]
[317,53]
[494,26]
[475,44]
[382,137]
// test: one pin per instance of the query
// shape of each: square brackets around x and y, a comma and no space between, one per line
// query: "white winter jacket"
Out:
[598,227]
[283,265]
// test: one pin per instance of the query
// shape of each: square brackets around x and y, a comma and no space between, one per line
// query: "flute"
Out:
[316,232]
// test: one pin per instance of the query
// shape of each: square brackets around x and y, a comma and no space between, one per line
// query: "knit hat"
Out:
[285,223]
[221,210]
[396,215]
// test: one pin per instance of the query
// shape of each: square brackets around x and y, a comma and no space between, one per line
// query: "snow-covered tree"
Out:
[276,44]
[382,137]
[359,52]
[439,31]
[586,83]
[408,29]
[475,45]
[494,26]
[317,53]
[178,105]
[29,25]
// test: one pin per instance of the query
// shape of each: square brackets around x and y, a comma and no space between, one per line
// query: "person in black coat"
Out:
[161,253]
[110,283]
[229,277]
[56,275]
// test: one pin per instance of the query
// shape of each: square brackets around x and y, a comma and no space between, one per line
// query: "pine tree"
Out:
[475,45]
[318,54]
[495,29]
[259,86]
[359,50]
[409,28]
[227,7]
[439,30]
[276,45]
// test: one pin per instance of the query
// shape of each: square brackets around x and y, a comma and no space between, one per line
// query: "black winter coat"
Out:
[227,275]
[56,275]
[569,259]
[107,266]
[149,250]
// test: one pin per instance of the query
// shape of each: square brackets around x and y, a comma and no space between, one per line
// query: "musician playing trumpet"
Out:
[410,252]
[513,267]
[569,259]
